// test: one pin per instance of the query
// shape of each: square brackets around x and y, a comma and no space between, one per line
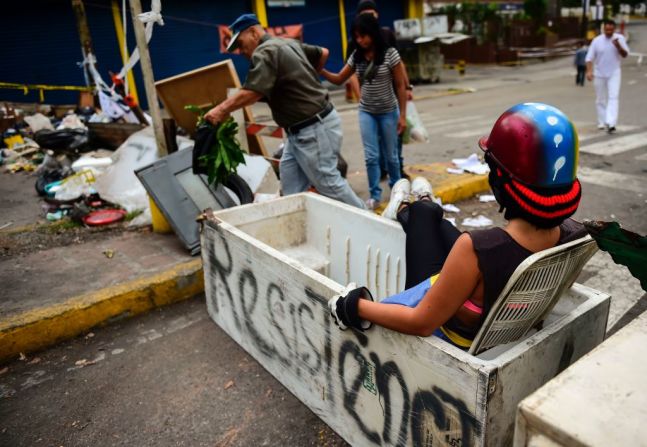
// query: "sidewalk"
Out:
[57,293]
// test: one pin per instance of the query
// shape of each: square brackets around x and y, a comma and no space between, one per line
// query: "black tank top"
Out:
[498,257]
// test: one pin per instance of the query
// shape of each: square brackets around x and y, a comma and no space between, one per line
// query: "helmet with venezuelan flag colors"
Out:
[533,151]
[536,143]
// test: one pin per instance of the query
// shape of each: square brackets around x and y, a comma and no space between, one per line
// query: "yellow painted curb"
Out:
[450,188]
[39,328]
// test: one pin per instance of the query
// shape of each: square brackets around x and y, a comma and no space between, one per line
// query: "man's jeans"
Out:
[310,159]
[607,91]
[384,125]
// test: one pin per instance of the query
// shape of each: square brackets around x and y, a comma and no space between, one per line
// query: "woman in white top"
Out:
[383,101]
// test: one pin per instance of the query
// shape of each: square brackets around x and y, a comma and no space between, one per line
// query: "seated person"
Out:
[453,279]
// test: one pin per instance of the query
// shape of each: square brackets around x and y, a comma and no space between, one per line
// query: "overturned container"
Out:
[269,271]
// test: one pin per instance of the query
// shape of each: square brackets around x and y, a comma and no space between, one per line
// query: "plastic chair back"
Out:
[532,291]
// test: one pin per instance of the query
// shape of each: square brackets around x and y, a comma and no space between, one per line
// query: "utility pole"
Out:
[149,79]
[84,35]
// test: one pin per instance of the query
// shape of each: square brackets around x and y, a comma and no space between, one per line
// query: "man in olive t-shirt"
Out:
[284,72]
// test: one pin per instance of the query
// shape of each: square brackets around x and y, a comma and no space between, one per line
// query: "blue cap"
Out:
[241,24]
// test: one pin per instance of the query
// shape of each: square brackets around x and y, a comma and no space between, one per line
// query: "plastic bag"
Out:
[76,185]
[415,129]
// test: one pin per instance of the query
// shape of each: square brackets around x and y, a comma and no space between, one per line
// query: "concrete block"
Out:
[269,271]
[599,401]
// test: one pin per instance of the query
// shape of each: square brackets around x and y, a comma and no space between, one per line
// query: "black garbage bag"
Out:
[205,138]
[47,177]
[72,140]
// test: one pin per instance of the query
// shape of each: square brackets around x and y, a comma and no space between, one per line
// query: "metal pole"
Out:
[149,79]
[84,36]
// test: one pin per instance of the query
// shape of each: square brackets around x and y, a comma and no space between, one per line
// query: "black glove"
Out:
[343,308]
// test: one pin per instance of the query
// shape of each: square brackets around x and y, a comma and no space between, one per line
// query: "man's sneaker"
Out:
[611,129]
[399,193]
[602,126]
[372,204]
[420,187]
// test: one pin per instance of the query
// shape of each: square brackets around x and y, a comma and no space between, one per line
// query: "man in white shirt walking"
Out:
[603,68]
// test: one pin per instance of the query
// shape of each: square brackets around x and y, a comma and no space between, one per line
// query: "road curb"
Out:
[43,327]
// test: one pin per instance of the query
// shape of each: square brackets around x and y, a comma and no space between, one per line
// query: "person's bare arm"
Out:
[242,98]
[589,71]
[338,78]
[456,283]
[400,76]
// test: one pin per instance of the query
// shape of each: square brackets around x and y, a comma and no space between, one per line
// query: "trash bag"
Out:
[75,140]
[204,138]
[45,178]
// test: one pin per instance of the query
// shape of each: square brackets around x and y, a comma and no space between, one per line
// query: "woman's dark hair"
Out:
[367,25]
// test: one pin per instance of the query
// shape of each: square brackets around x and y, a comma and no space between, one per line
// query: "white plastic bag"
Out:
[76,185]
[417,132]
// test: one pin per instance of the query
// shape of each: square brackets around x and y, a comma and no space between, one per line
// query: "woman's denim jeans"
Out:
[373,127]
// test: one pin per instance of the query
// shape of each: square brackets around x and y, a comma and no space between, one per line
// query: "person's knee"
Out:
[426,209]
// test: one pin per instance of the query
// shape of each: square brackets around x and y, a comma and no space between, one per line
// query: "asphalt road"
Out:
[174,378]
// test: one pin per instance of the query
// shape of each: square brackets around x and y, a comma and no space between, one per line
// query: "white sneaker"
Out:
[420,187]
[372,204]
[399,193]
[602,126]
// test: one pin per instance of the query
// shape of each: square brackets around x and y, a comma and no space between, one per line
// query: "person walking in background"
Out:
[603,68]
[382,113]
[580,64]
[285,73]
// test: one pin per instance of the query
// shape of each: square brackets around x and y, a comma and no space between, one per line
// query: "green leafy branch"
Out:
[225,154]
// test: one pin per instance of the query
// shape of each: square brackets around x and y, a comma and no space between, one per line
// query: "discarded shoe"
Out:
[399,193]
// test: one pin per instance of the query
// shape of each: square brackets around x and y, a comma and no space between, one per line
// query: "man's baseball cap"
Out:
[241,24]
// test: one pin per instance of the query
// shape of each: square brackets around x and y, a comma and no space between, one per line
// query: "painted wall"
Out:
[44,46]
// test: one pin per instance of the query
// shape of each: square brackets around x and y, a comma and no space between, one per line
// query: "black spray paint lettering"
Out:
[416,412]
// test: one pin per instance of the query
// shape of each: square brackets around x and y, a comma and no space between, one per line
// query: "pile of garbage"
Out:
[75,178]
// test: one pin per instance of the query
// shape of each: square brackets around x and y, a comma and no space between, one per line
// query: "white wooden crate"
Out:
[269,271]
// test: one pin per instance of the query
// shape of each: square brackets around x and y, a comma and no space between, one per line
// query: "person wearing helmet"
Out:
[453,279]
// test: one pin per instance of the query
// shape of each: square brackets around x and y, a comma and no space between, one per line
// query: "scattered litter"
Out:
[38,121]
[76,185]
[34,361]
[109,253]
[455,171]
[451,220]
[4,370]
[117,351]
[479,221]
[451,208]
[71,121]
[487,198]
[89,335]
[8,224]
[56,215]
[229,384]
[104,217]
[22,357]
[84,362]
[471,164]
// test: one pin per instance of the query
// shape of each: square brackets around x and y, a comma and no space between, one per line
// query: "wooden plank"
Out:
[202,87]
